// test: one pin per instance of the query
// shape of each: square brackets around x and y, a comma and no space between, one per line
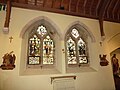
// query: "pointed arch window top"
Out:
[81,42]
[75,33]
[41,30]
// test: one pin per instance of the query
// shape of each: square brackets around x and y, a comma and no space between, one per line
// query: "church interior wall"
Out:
[101,78]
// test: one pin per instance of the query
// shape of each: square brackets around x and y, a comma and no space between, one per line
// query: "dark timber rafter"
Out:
[84,5]
[108,10]
[91,6]
[77,6]
[98,3]
[101,16]
[8,13]
[117,4]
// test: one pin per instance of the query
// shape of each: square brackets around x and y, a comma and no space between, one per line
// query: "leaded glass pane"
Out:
[82,51]
[31,2]
[34,60]
[81,47]
[34,46]
[34,50]
[41,30]
[75,33]
[71,51]
[83,59]
[48,50]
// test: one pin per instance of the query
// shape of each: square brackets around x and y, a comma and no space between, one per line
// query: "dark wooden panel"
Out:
[73,6]
[81,6]
[48,3]
[21,1]
[31,2]
[105,9]
[15,1]
[88,6]
[65,4]
[95,7]
[111,6]
[1,1]
[57,4]
[40,3]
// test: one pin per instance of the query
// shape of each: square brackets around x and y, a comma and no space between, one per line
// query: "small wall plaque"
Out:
[103,60]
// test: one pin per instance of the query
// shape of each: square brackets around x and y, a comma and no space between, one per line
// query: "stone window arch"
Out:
[76,46]
[40,45]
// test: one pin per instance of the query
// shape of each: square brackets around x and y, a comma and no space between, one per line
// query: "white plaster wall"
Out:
[101,79]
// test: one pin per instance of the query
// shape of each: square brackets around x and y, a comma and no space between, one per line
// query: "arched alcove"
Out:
[114,42]
[87,37]
[30,29]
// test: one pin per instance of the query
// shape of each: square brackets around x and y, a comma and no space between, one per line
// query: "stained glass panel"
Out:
[82,51]
[83,59]
[34,46]
[31,2]
[75,33]
[41,30]
[48,50]
[81,47]
[71,51]
[34,60]
[34,50]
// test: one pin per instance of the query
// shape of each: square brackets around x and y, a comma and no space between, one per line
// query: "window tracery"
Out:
[41,47]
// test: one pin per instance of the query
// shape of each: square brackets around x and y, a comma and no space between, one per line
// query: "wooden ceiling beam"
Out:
[103,8]
[118,14]
[84,5]
[109,8]
[35,2]
[101,17]
[69,5]
[53,1]
[33,7]
[44,3]
[65,5]
[61,4]
[115,8]
[21,1]
[91,7]
[97,7]
[26,1]
[83,8]
[7,19]
[113,20]
[77,6]
[3,1]
[16,1]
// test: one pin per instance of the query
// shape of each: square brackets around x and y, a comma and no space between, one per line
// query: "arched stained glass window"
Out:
[76,48]
[41,47]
